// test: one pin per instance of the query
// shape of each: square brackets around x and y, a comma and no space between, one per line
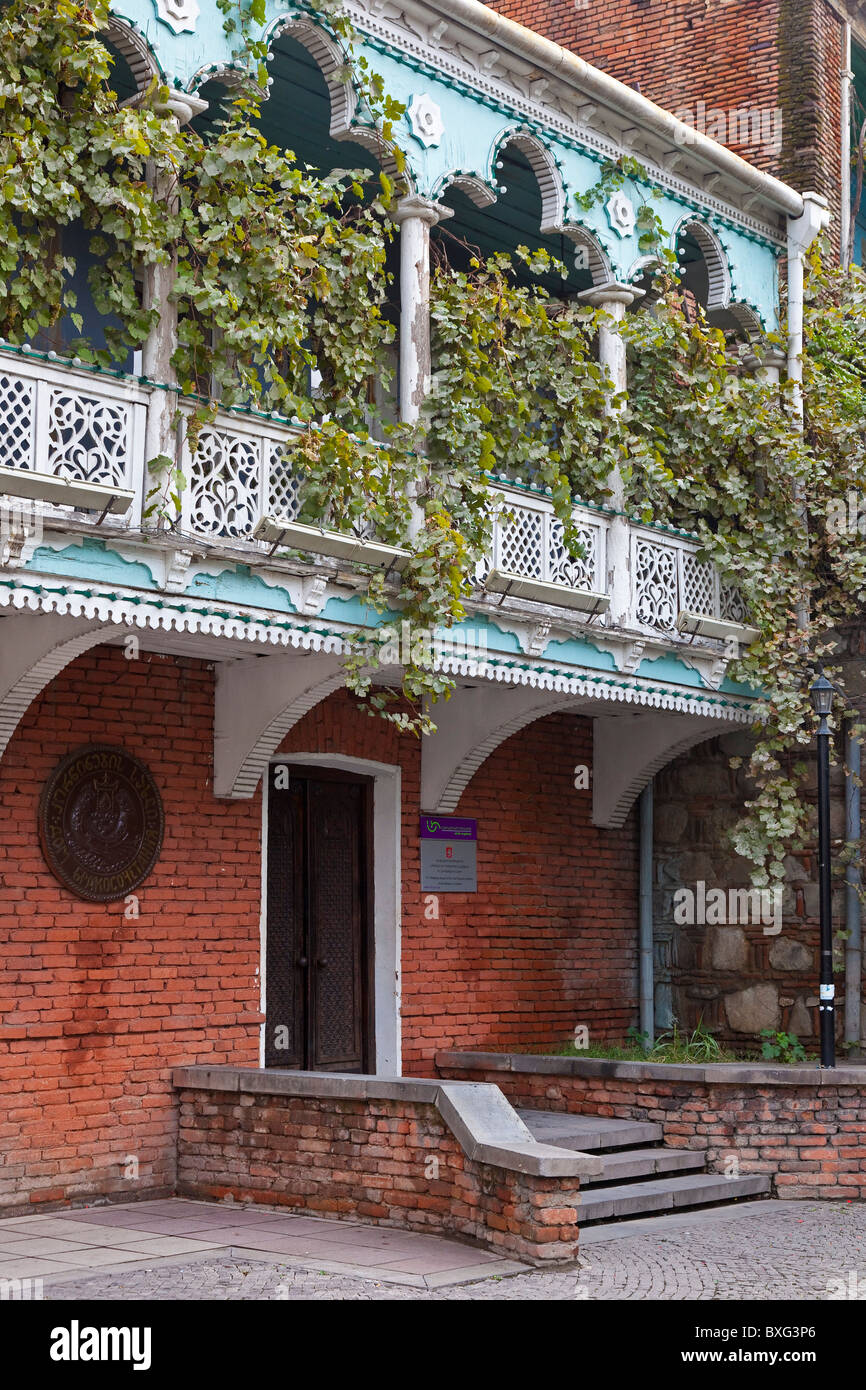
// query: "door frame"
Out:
[384,901]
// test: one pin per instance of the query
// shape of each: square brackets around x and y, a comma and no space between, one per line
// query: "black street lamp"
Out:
[821,695]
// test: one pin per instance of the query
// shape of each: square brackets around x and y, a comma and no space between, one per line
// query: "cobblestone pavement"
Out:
[776,1250]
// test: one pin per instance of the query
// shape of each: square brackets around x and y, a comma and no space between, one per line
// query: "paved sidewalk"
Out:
[69,1244]
[760,1250]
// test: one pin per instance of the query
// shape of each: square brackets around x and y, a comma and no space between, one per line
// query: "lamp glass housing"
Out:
[821,695]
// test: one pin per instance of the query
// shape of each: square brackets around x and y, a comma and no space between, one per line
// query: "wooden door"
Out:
[319,955]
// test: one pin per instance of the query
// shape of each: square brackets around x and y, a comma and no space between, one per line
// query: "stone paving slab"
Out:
[138,1234]
[773,1250]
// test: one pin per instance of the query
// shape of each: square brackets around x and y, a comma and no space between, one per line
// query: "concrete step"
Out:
[667,1194]
[588,1133]
[646,1163]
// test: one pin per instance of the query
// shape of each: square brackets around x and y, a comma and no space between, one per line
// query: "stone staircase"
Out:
[641,1177]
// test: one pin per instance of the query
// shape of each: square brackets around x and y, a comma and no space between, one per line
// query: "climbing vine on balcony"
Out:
[280,273]
[723,454]
[703,444]
[279,270]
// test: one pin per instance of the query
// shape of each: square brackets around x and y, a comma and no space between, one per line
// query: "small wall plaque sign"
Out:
[449,854]
[101,823]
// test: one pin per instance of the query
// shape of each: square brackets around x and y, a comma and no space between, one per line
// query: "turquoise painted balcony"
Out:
[66,427]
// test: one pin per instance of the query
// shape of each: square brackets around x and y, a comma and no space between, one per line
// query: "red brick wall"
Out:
[551,938]
[730,54]
[808,1137]
[673,51]
[95,1010]
[809,93]
[368,1160]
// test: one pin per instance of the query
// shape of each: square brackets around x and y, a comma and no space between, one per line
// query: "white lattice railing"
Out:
[667,578]
[76,424]
[528,540]
[90,427]
[241,470]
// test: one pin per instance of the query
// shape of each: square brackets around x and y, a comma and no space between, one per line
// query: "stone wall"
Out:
[804,1128]
[736,976]
[759,970]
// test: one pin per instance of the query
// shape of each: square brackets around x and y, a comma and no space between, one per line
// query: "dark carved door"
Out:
[318,955]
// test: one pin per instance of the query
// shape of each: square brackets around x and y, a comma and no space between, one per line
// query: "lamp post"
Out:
[821,695]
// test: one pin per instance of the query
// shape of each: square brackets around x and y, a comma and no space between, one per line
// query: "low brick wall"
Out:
[803,1127]
[386,1154]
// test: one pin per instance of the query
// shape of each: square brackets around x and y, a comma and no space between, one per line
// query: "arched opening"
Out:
[134,62]
[307,111]
[706,277]
[123,77]
[132,68]
[526,211]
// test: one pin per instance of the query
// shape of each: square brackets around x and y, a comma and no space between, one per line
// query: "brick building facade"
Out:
[99,1004]
[212,649]
[765,78]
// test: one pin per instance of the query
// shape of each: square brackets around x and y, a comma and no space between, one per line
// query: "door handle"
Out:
[303,962]
[321,963]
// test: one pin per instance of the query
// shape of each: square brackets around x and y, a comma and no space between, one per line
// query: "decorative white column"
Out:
[613,299]
[415,217]
[160,345]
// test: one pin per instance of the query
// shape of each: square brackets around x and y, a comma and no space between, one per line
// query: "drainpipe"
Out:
[647,984]
[802,232]
[853,945]
[847,77]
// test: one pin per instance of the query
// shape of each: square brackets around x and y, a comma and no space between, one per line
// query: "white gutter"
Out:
[807,213]
[802,232]
[594,83]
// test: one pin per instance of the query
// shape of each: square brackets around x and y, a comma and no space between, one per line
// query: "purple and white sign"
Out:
[449,854]
[448,828]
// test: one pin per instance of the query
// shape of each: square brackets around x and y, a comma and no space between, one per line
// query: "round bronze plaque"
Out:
[100,823]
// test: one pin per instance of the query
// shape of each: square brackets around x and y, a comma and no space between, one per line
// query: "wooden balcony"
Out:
[67,421]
